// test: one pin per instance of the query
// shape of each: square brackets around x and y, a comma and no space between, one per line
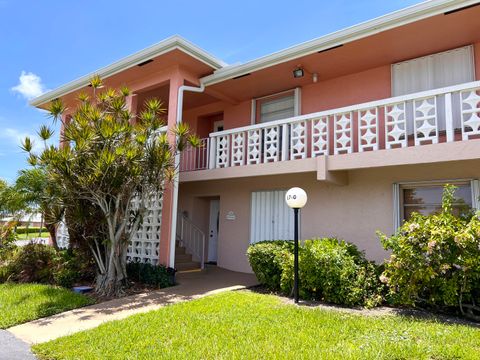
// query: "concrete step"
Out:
[182,258]
[192,265]
[179,250]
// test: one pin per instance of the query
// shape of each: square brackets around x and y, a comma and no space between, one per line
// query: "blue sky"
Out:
[44,44]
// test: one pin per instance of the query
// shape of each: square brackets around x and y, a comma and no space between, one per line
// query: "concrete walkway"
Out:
[13,349]
[191,286]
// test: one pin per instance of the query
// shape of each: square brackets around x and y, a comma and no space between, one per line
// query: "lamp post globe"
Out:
[296,198]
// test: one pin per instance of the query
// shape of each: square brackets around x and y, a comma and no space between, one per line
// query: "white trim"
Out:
[397,217]
[398,187]
[389,21]
[475,184]
[172,43]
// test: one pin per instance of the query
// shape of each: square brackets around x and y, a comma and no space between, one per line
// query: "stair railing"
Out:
[192,238]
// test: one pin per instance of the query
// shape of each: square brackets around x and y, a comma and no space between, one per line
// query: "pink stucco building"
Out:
[371,121]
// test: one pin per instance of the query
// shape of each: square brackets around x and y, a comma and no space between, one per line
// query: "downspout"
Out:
[173,235]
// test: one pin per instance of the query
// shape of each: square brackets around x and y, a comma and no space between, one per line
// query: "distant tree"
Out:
[42,194]
[113,164]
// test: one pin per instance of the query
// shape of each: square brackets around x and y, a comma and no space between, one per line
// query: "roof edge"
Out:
[164,46]
[391,20]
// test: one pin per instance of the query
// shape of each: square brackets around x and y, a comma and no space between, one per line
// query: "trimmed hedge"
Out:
[31,230]
[267,261]
[330,270]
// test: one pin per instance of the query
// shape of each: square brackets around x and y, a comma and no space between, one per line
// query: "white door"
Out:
[213,230]
[271,218]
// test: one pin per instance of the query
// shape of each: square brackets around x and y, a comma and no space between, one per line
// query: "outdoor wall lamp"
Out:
[296,198]
[298,72]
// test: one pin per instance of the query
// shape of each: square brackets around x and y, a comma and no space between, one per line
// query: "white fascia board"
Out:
[389,21]
[167,45]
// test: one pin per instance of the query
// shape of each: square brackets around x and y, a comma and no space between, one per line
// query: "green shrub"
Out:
[158,276]
[31,263]
[39,263]
[266,259]
[330,270]
[334,271]
[435,260]
[31,230]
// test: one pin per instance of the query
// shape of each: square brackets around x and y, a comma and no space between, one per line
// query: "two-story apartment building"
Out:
[371,121]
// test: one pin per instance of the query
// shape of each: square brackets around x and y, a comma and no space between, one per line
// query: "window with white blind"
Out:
[276,107]
[270,218]
[434,71]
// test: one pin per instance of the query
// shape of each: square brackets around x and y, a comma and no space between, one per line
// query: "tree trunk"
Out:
[52,230]
[113,281]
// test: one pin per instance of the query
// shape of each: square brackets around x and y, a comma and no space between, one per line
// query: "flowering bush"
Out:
[435,260]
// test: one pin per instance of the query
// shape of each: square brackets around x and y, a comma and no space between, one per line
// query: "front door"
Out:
[213,230]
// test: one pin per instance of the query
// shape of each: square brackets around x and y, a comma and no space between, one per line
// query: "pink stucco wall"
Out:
[372,84]
[353,212]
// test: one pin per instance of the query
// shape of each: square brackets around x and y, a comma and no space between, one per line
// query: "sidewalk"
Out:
[191,286]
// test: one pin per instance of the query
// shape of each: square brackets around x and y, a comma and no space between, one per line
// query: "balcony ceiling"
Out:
[435,34]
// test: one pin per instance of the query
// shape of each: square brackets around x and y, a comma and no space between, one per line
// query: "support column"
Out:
[132,106]
[169,206]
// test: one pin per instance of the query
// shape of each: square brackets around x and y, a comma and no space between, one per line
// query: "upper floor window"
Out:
[276,107]
[434,71]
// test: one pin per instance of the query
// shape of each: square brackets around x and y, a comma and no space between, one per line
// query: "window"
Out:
[276,107]
[433,71]
[426,198]
[271,218]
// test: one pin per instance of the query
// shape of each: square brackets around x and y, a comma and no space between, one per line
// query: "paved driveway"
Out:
[12,348]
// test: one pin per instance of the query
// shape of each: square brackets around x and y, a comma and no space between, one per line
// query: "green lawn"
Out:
[245,325]
[32,235]
[20,303]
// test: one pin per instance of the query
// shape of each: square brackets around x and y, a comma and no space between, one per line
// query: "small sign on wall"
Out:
[231,215]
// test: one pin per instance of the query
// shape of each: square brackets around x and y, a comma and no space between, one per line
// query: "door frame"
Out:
[213,230]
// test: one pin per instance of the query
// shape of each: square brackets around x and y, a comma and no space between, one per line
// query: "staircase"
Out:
[190,246]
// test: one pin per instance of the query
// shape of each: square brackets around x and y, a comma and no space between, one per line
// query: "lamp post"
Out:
[296,198]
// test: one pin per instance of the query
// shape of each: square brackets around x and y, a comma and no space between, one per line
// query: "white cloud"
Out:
[16,137]
[29,86]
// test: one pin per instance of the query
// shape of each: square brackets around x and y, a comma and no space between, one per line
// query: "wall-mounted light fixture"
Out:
[315,77]
[298,72]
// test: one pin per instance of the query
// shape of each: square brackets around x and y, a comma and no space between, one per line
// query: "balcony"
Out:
[445,115]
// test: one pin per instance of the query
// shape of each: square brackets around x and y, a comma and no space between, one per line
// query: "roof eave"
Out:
[392,20]
[167,45]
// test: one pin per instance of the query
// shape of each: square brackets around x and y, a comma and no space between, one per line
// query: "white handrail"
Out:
[192,238]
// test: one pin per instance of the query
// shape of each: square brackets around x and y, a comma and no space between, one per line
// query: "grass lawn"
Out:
[32,235]
[20,303]
[245,325]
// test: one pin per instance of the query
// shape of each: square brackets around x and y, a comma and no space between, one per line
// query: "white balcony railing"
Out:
[429,117]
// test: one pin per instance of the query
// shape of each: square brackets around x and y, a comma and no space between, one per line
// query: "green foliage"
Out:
[109,157]
[435,259]
[20,303]
[38,263]
[31,230]
[330,270]
[31,263]
[244,325]
[267,260]
[7,235]
[158,276]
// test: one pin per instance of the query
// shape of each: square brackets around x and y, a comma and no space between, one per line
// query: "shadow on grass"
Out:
[420,315]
